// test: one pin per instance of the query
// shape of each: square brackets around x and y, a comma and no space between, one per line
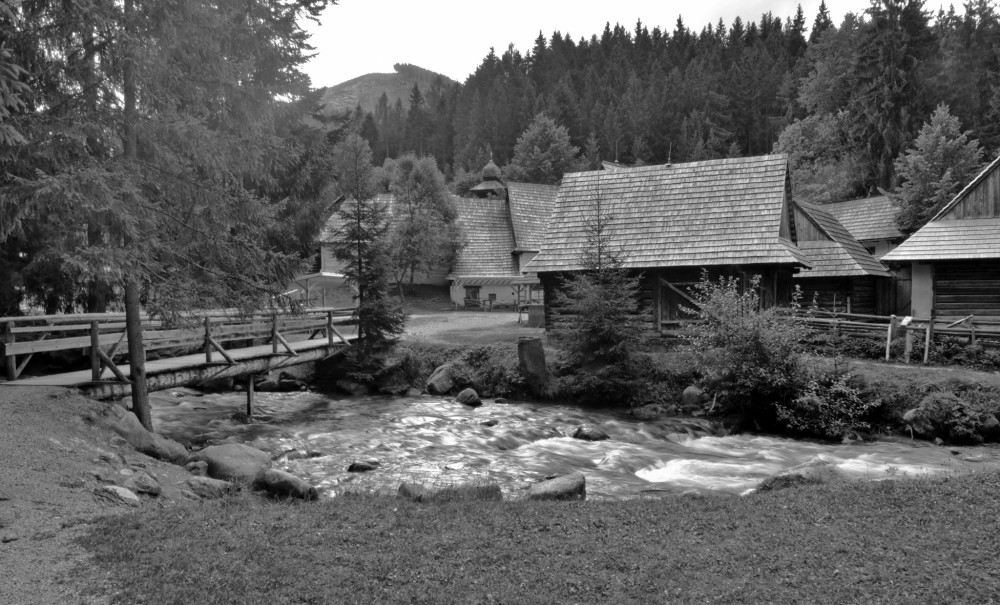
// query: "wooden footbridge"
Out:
[223,345]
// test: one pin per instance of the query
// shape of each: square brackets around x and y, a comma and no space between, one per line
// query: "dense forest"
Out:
[845,100]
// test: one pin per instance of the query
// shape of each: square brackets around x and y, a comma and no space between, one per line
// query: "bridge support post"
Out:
[329,328]
[274,333]
[95,359]
[208,340]
[10,360]
[250,392]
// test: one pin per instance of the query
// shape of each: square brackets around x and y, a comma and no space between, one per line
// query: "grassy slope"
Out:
[899,542]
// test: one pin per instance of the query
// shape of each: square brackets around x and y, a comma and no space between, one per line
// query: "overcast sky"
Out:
[451,37]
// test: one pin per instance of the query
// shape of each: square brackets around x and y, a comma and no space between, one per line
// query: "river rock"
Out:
[352,387]
[490,422]
[363,466]
[589,432]
[234,461]
[567,487]
[814,472]
[413,491]
[469,492]
[143,483]
[920,423]
[280,483]
[208,488]
[128,426]
[692,398]
[469,397]
[441,380]
[118,495]
[990,428]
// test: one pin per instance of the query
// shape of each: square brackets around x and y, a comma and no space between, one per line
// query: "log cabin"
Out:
[672,222]
[955,257]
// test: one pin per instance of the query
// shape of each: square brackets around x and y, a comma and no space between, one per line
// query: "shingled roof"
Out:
[870,218]
[530,209]
[838,256]
[489,240]
[947,237]
[698,214]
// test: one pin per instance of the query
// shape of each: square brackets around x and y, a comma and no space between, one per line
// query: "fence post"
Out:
[95,342]
[329,328]
[890,334]
[274,333]
[927,339]
[972,330]
[909,344]
[11,360]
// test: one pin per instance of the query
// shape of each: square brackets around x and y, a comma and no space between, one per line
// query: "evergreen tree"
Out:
[821,24]
[604,321]
[942,160]
[361,244]
[543,153]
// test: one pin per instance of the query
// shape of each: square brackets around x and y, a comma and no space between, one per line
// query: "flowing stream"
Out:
[437,442]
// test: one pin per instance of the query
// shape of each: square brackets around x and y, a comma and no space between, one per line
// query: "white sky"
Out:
[451,37]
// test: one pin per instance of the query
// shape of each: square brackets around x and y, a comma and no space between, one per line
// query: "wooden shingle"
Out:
[718,212]
[531,208]
[867,219]
[836,253]
[489,239]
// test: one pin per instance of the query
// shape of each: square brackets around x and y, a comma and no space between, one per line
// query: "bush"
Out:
[748,356]
[832,405]
[636,382]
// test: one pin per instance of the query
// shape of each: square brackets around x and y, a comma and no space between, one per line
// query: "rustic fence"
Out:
[916,331]
[102,336]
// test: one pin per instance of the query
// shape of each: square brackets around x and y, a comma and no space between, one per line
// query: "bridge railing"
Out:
[103,335]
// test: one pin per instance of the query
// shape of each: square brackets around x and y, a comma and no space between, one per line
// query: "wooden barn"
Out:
[844,276]
[729,217]
[955,258]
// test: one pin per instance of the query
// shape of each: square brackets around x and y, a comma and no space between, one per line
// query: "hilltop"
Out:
[367,89]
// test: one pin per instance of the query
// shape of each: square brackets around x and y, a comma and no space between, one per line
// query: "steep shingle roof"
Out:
[530,209]
[870,218]
[965,239]
[839,256]
[697,214]
[968,189]
[489,238]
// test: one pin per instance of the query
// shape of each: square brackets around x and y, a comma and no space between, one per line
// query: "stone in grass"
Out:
[814,472]
[280,483]
[208,488]
[118,495]
[234,461]
[363,466]
[143,483]
[469,397]
[589,432]
[469,492]
[413,491]
[566,487]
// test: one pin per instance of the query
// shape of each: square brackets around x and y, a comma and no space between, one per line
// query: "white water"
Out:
[437,442]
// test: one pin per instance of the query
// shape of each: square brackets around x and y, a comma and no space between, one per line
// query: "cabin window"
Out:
[472,292]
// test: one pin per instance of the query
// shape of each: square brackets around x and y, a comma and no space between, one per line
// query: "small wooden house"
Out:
[503,227]
[844,276]
[729,217]
[955,258]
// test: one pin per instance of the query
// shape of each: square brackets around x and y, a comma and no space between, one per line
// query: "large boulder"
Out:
[567,487]
[692,398]
[234,461]
[589,432]
[814,472]
[920,423]
[469,397]
[280,483]
[990,428]
[441,380]
[156,446]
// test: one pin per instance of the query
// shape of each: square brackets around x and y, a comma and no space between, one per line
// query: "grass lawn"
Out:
[904,541]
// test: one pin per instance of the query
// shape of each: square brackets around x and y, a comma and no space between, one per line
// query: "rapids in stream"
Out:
[437,442]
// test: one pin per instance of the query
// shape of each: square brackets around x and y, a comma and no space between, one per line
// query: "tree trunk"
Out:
[133,308]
